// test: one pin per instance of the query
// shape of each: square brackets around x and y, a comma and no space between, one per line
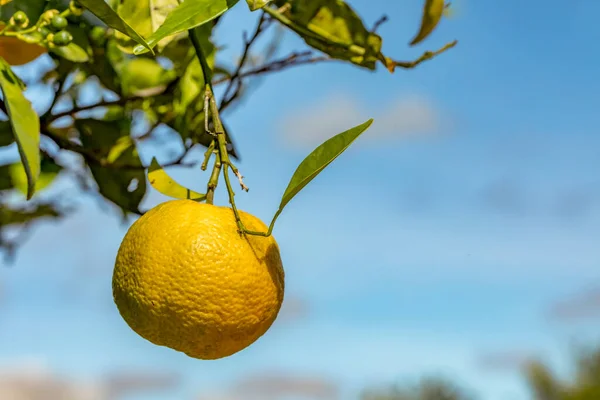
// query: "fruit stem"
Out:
[207,154]
[219,142]
[214,180]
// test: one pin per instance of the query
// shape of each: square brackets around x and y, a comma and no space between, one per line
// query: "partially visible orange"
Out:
[19,52]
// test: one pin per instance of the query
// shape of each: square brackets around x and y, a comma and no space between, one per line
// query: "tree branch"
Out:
[234,79]
[291,60]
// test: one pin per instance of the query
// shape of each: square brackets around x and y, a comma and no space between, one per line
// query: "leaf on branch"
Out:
[22,215]
[6,135]
[102,10]
[317,161]
[71,52]
[320,158]
[116,166]
[49,171]
[257,4]
[166,185]
[32,8]
[144,77]
[432,14]
[334,28]
[145,16]
[79,50]
[188,15]
[24,122]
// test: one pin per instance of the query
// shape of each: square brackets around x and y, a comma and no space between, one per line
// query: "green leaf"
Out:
[25,124]
[166,185]
[257,4]
[145,16]
[79,50]
[32,8]
[6,135]
[320,158]
[333,27]
[432,14]
[188,15]
[21,215]
[107,15]
[71,52]
[116,167]
[49,171]
[144,76]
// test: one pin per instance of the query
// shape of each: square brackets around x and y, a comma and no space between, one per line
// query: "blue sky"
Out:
[424,248]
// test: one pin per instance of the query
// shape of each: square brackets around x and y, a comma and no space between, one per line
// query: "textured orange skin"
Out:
[18,52]
[186,279]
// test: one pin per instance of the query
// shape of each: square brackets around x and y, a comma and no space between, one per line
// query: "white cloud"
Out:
[406,116]
[32,379]
[275,386]
[581,306]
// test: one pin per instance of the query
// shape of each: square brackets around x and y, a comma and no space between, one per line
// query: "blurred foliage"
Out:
[427,389]
[583,385]
[543,384]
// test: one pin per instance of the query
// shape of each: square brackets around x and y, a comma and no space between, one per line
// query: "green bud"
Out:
[75,8]
[62,38]
[59,22]
[19,19]
[98,36]
[48,15]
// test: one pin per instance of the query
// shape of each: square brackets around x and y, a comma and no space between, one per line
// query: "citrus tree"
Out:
[431,388]
[155,64]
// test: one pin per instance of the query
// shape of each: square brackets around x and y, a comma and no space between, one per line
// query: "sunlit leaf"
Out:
[142,76]
[333,27]
[71,52]
[188,15]
[145,16]
[257,4]
[106,14]
[316,162]
[79,50]
[25,124]
[432,14]
[320,158]
[166,185]
[49,171]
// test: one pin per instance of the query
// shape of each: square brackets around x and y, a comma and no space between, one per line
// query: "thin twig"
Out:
[234,80]
[93,158]
[76,110]
[291,60]
[383,19]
